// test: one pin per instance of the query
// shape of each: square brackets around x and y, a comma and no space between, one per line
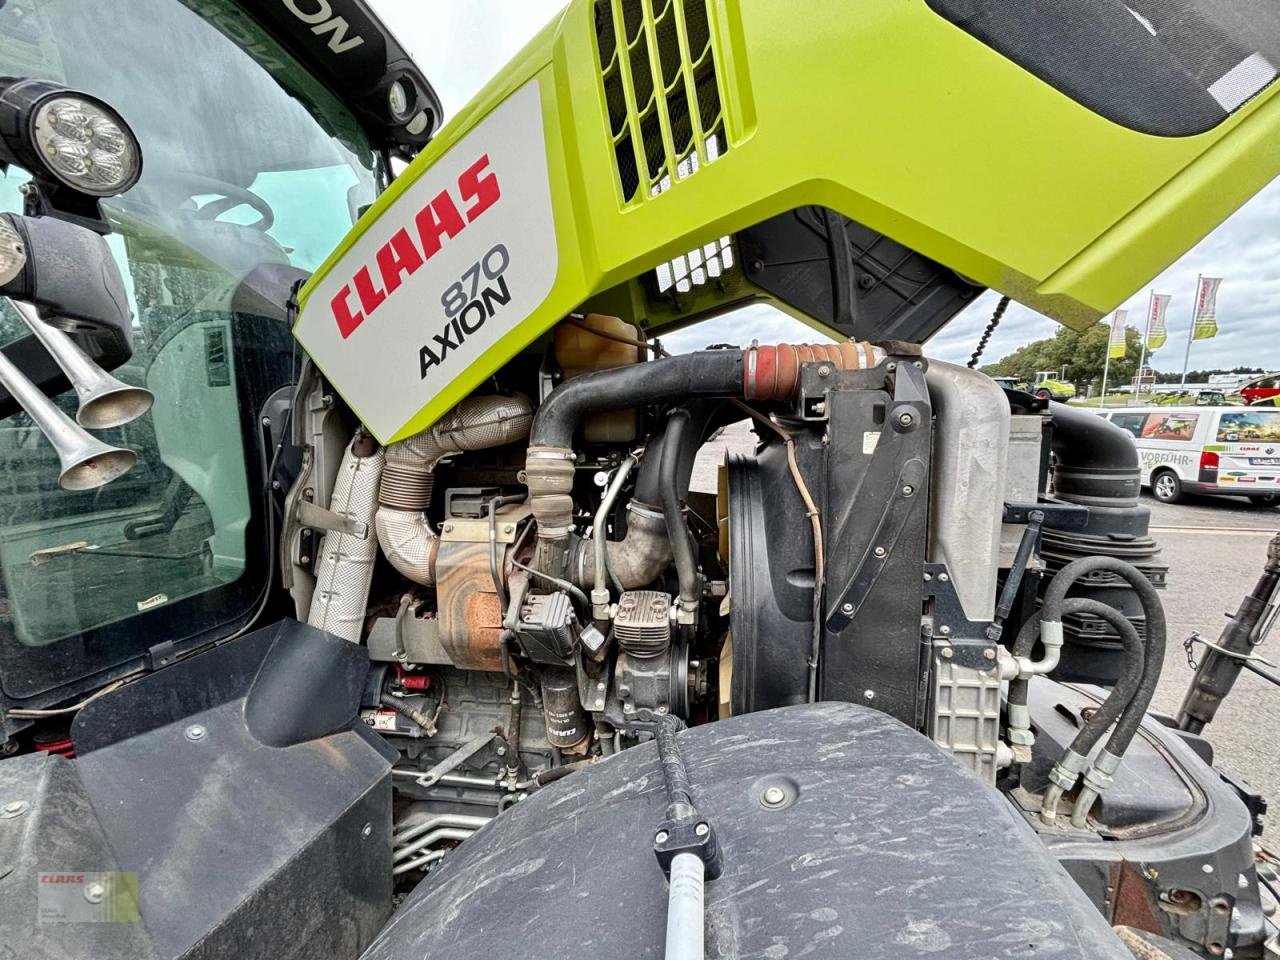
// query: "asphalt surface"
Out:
[1215,548]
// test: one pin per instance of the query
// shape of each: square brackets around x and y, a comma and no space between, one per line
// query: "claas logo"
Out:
[443,219]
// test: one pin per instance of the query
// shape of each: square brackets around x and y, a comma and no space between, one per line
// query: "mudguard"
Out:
[885,848]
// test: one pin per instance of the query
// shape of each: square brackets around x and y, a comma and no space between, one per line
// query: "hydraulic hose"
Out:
[1100,776]
[673,510]
[1122,695]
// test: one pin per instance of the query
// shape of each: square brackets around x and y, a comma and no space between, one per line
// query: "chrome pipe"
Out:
[443,833]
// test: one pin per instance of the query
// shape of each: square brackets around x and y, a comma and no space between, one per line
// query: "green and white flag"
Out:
[1157,329]
[1116,345]
[1205,324]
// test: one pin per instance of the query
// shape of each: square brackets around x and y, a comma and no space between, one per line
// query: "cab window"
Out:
[1130,421]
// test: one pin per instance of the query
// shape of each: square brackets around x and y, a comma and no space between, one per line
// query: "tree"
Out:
[1082,353]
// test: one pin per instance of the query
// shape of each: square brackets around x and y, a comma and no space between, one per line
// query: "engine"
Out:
[537,586]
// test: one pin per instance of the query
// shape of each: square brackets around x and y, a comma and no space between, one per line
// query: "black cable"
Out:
[409,713]
[996,317]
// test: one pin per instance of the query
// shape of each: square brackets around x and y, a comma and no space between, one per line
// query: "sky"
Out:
[460,50]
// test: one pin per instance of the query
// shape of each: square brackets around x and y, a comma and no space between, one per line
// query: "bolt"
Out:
[944,630]
[600,685]
[701,830]
[195,732]
[908,490]
[502,751]
[868,694]
[891,367]
[917,364]
[944,577]
[846,608]
[989,654]
[661,837]
[508,529]
[366,831]
[1207,868]
[94,893]
[947,653]
[774,796]
[448,528]
[928,577]
[880,551]
[266,421]
[824,371]
[906,419]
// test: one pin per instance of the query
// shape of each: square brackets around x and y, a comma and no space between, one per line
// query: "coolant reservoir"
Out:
[580,351]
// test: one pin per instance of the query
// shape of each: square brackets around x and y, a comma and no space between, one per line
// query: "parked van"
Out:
[1230,451]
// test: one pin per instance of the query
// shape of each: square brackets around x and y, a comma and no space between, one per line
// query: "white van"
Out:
[1228,451]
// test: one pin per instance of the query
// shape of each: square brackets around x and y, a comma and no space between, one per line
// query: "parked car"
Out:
[1221,451]
[1262,390]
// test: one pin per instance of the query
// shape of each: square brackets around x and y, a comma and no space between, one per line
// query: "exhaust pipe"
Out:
[404,497]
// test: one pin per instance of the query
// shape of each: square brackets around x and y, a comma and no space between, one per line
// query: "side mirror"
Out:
[68,273]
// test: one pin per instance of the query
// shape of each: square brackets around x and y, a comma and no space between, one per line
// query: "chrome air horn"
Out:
[104,401]
[86,462]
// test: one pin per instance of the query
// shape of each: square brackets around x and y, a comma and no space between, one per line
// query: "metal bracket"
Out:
[161,655]
[1057,514]
[968,640]
[456,759]
[321,518]
[909,406]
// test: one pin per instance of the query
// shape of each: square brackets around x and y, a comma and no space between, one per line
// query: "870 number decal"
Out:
[468,305]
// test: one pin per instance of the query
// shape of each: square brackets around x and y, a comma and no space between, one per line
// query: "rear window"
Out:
[1244,426]
[1170,426]
[1167,67]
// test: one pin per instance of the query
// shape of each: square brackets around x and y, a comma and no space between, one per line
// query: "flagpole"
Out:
[1186,357]
[1106,366]
[1146,335]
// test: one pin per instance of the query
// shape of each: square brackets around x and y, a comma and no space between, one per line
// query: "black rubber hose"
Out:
[1123,693]
[704,418]
[408,712]
[1097,462]
[1051,610]
[707,373]
[673,510]
[674,773]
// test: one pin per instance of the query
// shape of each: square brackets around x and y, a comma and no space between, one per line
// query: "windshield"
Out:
[252,173]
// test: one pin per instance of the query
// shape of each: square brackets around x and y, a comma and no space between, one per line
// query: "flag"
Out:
[1157,332]
[1116,345]
[1206,315]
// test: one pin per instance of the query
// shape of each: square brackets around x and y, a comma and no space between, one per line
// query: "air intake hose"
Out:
[404,497]
[1097,461]
[757,373]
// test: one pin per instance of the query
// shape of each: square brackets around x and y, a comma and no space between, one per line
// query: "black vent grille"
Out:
[661,91]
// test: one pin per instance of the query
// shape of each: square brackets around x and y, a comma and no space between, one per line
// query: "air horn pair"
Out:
[105,402]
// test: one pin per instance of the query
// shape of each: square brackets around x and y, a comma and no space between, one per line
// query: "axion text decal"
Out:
[460,258]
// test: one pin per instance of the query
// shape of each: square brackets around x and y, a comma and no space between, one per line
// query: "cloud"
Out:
[460,48]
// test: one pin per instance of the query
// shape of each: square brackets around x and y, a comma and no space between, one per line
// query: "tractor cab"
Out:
[262,137]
